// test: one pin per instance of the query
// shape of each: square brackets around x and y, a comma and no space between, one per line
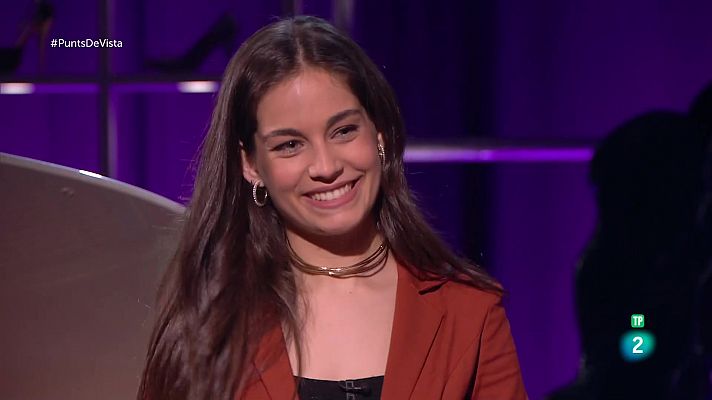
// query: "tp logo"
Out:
[637,321]
[637,344]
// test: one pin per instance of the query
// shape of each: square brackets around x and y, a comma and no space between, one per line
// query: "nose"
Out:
[326,165]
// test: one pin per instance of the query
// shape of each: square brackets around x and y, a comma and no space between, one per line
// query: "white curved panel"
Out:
[80,262]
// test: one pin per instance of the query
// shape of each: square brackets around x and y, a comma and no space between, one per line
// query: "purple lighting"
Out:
[511,154]
[125,85]
[47,88]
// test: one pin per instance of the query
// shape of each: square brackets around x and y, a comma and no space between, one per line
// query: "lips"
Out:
[332,194]
[337,195]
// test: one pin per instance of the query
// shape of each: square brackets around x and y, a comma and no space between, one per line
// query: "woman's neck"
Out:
[337,251]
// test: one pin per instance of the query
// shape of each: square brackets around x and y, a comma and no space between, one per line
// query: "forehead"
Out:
[306,99]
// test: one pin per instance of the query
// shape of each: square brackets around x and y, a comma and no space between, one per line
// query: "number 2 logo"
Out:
[636,345]
[636,349]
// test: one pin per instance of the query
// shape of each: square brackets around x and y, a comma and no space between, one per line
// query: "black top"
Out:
[353,389]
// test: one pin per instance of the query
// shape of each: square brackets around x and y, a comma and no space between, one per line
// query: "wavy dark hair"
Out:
[230,281]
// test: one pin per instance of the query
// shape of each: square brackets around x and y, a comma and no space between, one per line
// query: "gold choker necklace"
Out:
[375,260]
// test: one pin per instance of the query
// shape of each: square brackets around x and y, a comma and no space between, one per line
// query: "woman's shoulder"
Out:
[467,298]
[467,313]
[458,292]
[457,297]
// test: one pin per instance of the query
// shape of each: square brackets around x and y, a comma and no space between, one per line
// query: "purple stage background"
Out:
[516,70]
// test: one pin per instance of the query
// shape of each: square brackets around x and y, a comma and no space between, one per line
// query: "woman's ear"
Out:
[380,139]
[249,168]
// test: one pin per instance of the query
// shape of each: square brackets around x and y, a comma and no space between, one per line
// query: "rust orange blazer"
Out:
[448,341]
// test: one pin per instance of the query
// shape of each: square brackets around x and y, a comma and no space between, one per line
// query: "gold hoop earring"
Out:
[382,154]
[254,194]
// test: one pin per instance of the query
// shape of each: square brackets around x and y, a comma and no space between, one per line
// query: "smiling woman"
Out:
[305,268]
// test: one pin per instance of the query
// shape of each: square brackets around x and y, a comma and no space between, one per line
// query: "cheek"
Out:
[372,157]
[369,159]
[364,153]
[283,176]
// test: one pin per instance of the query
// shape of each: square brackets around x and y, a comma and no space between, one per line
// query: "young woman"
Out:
[305,269]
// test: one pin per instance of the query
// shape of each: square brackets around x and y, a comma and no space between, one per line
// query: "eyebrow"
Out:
[341,115]
[330,122]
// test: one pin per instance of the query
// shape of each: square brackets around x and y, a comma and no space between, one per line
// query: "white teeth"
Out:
[332,194]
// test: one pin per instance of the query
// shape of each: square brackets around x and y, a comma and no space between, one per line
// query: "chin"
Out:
[335,229]
[330,233]
[334,225]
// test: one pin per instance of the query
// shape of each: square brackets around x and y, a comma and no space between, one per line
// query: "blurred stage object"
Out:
[80,260]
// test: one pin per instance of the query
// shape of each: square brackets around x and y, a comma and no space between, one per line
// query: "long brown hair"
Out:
[230,280]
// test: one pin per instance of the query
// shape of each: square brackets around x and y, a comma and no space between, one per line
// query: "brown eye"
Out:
[345,131]
[288,147]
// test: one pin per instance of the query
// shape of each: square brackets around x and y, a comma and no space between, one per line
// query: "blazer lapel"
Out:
[272,364]
[415,324]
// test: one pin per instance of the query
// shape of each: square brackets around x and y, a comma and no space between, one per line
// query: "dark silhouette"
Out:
[701,109]
[647,256]
[701,112]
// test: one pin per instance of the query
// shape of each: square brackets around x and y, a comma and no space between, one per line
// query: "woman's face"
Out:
[315,152]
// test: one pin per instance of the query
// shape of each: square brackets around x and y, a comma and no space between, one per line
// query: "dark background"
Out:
[551,72]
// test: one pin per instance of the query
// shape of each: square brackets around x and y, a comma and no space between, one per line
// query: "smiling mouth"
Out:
[333,194]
